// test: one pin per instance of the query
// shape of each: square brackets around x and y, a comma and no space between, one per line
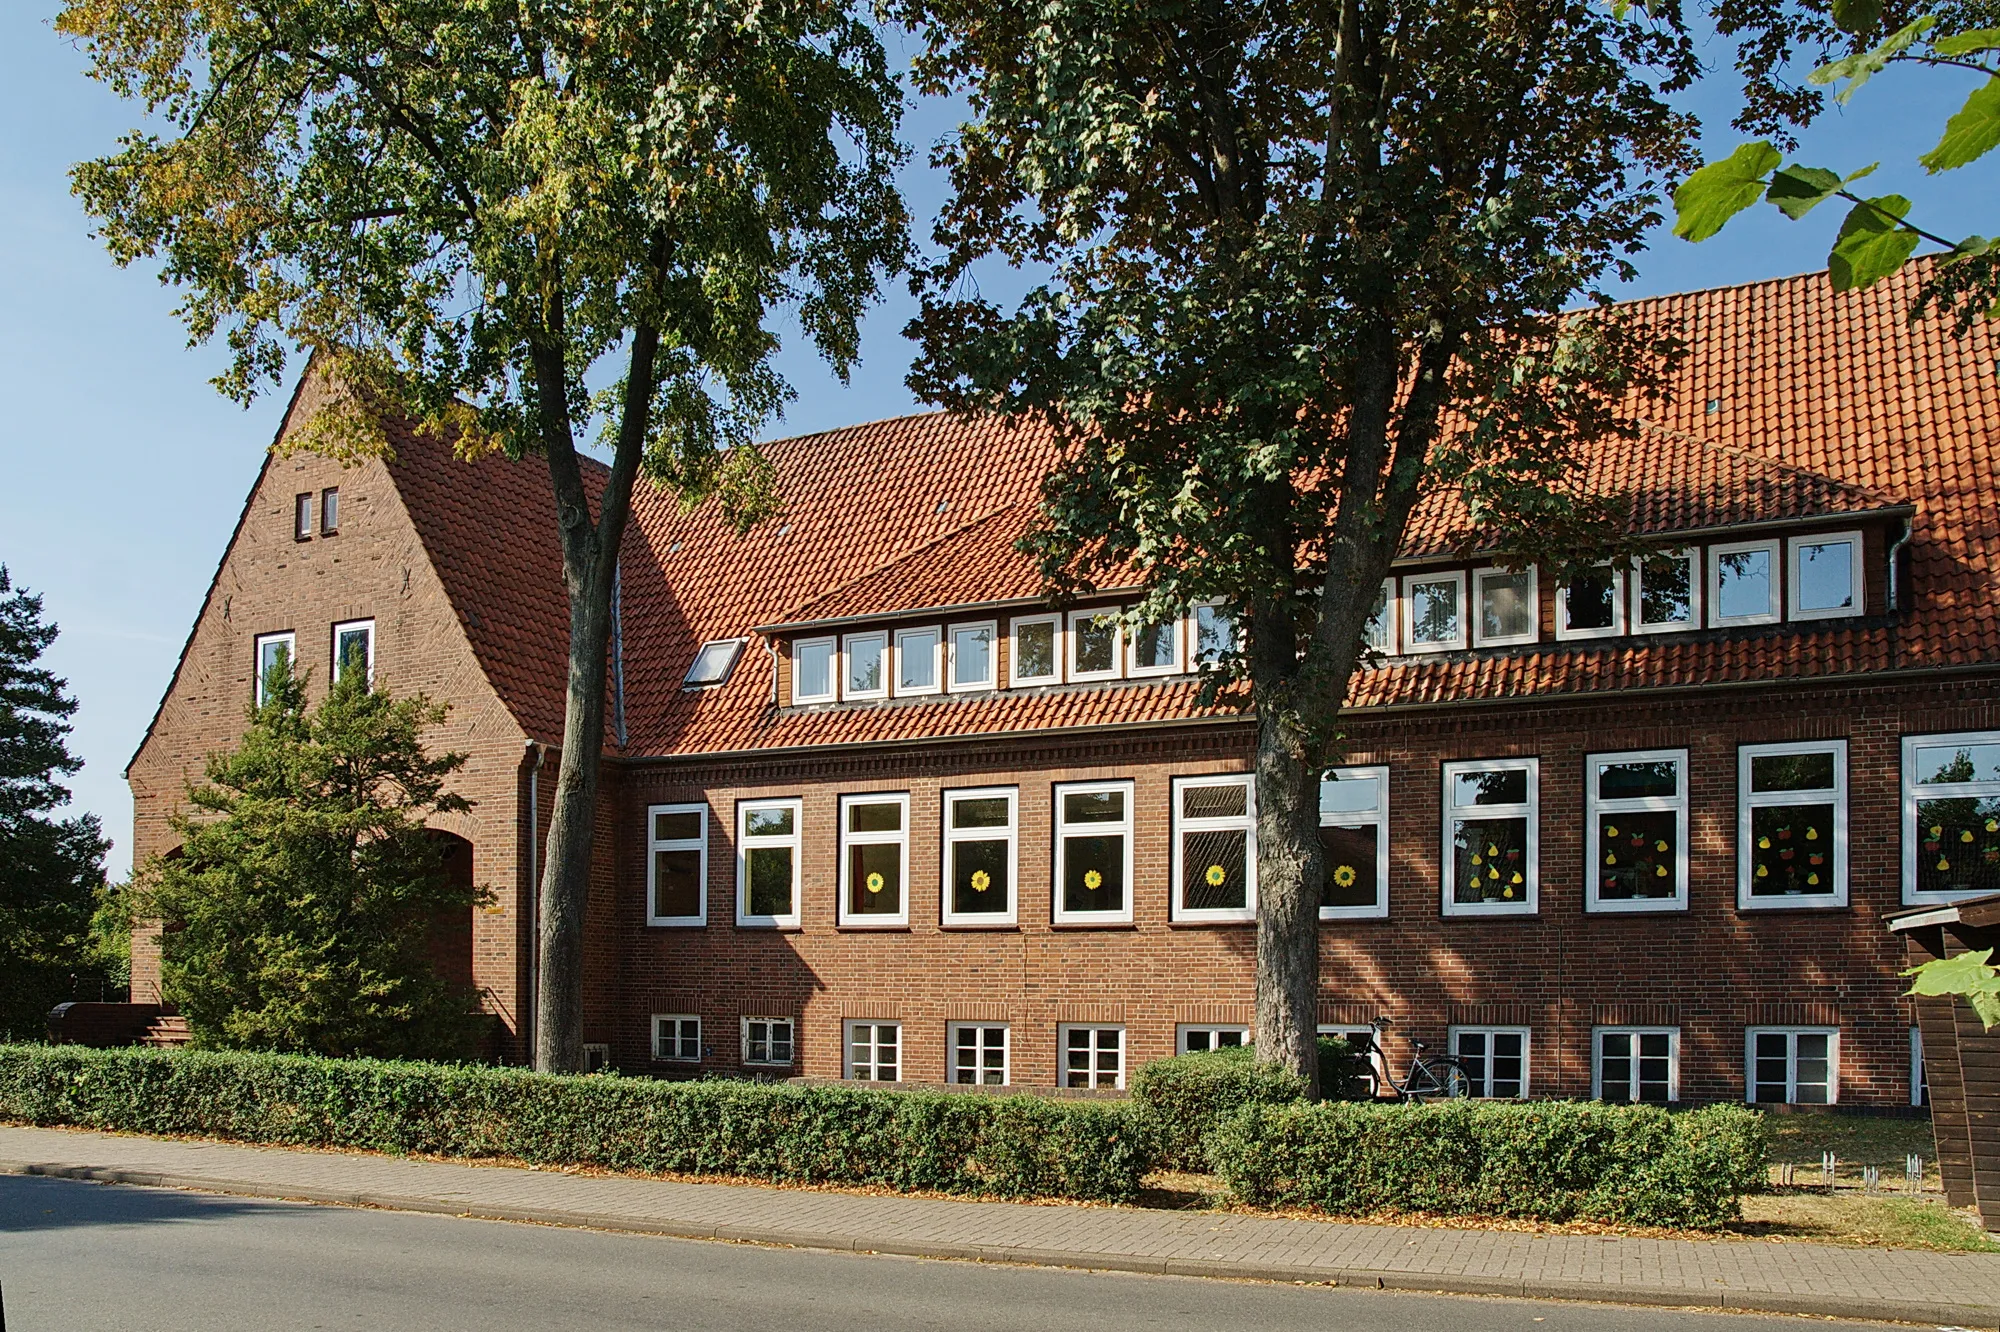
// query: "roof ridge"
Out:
[1745,285]
[1764,460]
[788,616]
[851,427]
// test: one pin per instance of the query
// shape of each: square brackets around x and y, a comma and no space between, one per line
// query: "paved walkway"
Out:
[1957,1289]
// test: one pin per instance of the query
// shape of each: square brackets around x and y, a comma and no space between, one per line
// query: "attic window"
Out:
[713,663]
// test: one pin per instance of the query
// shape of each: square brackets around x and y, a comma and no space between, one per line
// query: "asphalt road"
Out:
[78,1257]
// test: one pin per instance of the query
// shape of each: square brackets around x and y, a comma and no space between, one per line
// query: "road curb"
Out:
[1738,1301]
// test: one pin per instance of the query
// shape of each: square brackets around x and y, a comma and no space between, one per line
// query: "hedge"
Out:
[1183,1099]
[1544,1161]
[998,1146]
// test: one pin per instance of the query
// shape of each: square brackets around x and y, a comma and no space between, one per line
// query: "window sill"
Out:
[1093,925]
[886,927]
[1510,913]
[1338,915]
[769,927]
[677,924]
[1662,908]
[1220,923]
[1767,905]
[980,926]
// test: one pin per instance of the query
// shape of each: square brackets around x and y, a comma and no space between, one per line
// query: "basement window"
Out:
[713,663]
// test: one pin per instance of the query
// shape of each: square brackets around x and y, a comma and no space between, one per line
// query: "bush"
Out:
[999,1146]
[1182,1099]
[1549,1161]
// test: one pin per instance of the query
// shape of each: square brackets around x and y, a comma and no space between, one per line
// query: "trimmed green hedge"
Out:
[1546,1161]
[1182,1100]
[1000,1146]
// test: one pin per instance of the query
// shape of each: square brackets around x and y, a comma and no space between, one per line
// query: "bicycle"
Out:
[1431,1077]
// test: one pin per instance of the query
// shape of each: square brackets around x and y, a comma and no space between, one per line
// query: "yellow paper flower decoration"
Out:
[875,882]
[1216,874]
[1344,875]
[1093,880]
[981,881]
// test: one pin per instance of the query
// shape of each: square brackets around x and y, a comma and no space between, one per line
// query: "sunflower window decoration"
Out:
[874,830]
[1214,819]
[979,856]
[1093,844]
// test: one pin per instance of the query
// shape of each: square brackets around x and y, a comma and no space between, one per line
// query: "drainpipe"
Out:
[771,651]
[534,896]
[618,652]
[1895,564]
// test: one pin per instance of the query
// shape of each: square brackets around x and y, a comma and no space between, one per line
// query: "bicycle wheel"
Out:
[1437,1080]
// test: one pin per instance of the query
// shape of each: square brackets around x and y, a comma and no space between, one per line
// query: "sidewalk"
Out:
[1960,1289]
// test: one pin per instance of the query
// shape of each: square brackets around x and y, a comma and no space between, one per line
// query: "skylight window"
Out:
[713,663]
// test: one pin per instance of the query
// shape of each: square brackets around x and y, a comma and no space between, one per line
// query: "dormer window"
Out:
[812,670]
[866,673]
[1380,631]
[1743,583]
[1591,604]
[1668,595]
[1213,635]
[1093,645]
[1507,606]
[302,517]
[1156,648]
[713,663]
[1435,606]
[1826,576]
[1036,656]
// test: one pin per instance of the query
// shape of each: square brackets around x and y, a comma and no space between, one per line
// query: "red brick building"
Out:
[873,808]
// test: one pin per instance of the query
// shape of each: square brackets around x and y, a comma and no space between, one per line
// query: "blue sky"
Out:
[124,470]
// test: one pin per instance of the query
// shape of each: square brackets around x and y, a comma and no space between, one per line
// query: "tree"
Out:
[509,223]
[1877,236]
[1971,976]
[50,869]
[1307,267]
[300,903]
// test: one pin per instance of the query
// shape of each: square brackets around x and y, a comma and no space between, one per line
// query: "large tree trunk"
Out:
[1288,893]
[565,882]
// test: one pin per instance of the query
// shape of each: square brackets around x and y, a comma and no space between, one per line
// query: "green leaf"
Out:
[1971,247]
[1872,243]
[1865,66]
[1987,1005]
[1965,43]
[1857,16]
[1797,190]
[1719,191]
[1969,135]
[1955,975]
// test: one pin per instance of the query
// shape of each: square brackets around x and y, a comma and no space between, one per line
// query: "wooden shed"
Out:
[1961,1058]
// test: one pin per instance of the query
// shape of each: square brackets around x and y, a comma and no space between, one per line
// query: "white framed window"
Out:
[1825,576]
[1155,649]
[1492,837]
[1215,848]
[677,1037]
[874,1051]
[712,665]
[1792,824]
[1036,653]
[329,511]
[1094,644]
[768,1040]
[354,649]
[1211,634]
[1951,816]
[813,664]
[917,661]
[1636,1064]
[1495,1060]
[1791,1065]
[979,1054]
[1434,612]
[1367,1058]
[1743,583]
[1507,607]
[1380,631]
[1092,1056]
[1093,853]
[677,865]
[1666,592]
[767,863]
[1591,604]
[865,665]
[969,658]
[302,517]
[275,652]
[1200,1039]
[1920,1082]
[1354,843]
[1636,831]
[875,859]
[981,856]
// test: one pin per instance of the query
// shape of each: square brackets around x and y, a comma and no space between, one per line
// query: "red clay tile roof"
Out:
[1825,404]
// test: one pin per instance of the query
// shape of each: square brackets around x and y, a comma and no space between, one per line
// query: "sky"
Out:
[122,470]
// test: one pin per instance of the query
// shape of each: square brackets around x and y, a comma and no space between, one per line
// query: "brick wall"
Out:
[1711,970]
